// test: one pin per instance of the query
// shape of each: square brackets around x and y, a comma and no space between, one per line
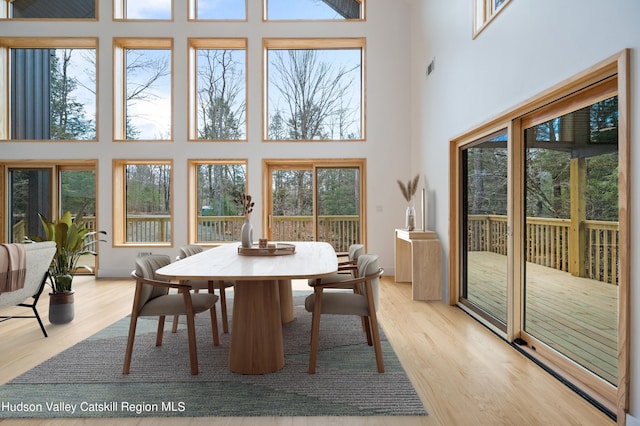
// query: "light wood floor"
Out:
[464,373]
[575,316]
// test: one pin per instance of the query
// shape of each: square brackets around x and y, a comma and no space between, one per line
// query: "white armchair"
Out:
[38,258]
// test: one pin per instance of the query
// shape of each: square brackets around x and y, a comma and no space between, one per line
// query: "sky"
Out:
[231,9]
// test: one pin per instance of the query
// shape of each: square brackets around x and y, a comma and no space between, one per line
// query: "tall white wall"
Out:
[387,148]
[529,47]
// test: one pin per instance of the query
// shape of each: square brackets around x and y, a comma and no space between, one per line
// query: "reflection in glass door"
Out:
[571,235]
[484,212]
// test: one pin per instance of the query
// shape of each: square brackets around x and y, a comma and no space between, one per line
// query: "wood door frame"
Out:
[616,66]
[312,164]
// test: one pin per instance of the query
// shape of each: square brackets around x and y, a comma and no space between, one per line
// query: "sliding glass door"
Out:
[540,240]
[571,235]
[484,228]
[316,200]
[49,189]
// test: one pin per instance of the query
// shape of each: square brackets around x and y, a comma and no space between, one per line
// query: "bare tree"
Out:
[221,104]
[314,92]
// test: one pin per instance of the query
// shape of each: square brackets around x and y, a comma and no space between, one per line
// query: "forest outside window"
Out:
[484,12]
[49,9]
[142,91]
[313,10]
[51,93]
[218,89]
[156,10]
[220,10]
[213,186]
[142,202]
[314,89]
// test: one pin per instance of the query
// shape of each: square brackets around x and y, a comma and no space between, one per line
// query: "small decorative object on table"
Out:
[262,243]
[272,249]
[408,192]
[246,234]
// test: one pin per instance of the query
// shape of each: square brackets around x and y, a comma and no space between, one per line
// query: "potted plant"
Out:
[73,240]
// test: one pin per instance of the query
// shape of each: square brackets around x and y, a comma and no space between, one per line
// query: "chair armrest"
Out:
[158,283]
[319,284]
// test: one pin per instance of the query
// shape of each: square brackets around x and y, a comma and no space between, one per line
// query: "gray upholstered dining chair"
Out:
[363,303]
[347,267]
[152,298]
[197,285]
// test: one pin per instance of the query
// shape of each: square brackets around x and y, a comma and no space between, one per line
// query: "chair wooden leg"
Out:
[129,351]
[193,350]
[214,326]
[366,324]
[174,327]
[223,308]
[315,331]
[160,330]
[373,322]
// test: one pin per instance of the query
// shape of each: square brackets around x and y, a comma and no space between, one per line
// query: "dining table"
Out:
[262,295]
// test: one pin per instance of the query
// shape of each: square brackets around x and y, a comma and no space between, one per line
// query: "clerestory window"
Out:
[313,10]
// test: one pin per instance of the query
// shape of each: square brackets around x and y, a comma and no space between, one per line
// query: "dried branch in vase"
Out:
[244,201]
[410,189]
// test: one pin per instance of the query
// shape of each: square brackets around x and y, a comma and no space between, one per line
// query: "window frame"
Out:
[4,14]
[192,194]
[265,18]
[192,13]
[8,43]
[269,165]
[55,166]
[194,44]
[119,11]
[119,203]
[484,12]
[269,44]
[120,46]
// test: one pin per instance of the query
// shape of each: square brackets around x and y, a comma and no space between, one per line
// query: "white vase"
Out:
[410,218]
[246,234]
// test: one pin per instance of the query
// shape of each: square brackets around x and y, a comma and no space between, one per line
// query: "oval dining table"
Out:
[263,298]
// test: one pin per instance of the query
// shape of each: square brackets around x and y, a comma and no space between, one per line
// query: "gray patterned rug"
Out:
[86,379]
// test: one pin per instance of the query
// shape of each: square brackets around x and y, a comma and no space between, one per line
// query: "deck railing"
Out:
[549,243]
[339,231]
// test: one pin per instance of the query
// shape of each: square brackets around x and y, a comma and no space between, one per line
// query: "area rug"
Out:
[86,380]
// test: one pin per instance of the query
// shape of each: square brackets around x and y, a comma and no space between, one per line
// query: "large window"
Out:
[142,106]
[314,89]
[314,10]
[142,202]
[49,9]
[217,10]
[213,186]
[143,10]
[218,105]
[52,88]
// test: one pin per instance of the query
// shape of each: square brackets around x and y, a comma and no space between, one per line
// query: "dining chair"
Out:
[363,304]
[152,298]
[347,268]
[197,285]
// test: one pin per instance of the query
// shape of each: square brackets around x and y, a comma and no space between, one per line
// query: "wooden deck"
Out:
[575,316]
